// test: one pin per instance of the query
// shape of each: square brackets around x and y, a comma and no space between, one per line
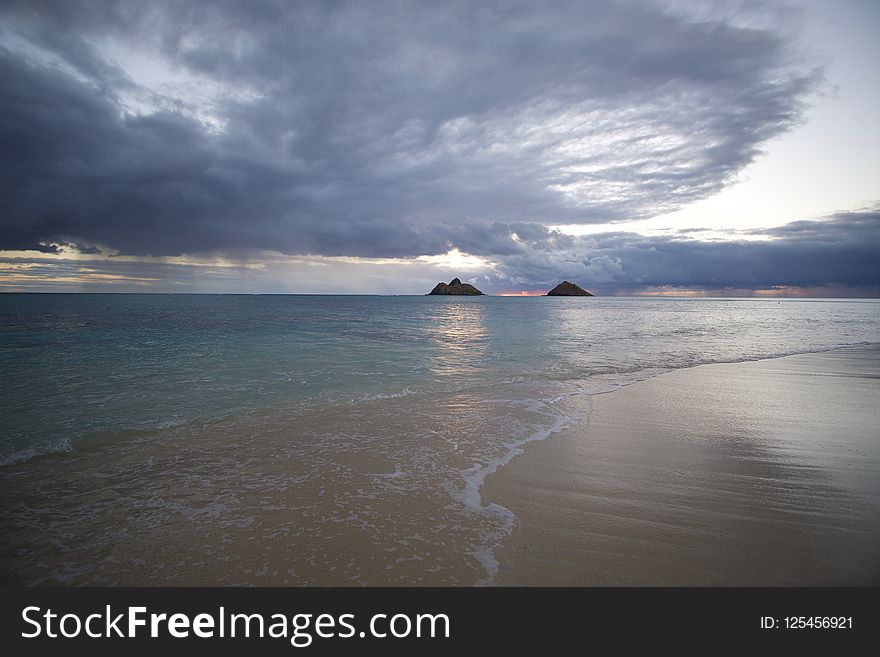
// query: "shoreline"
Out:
[554,487]
[67,445]
[112,513]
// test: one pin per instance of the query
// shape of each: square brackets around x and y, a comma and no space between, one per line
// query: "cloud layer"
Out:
[398,130]
[837,252]
[836,256]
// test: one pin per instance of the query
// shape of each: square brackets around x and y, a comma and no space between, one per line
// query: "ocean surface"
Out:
[200,439]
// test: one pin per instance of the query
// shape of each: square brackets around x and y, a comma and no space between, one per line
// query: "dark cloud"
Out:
[853,227]
[836,256]
[838,251]
[346,128]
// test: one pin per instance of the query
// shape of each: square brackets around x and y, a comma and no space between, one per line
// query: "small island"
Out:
[455,286]
[566,289]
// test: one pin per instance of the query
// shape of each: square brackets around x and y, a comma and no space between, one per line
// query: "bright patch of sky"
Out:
[828,164]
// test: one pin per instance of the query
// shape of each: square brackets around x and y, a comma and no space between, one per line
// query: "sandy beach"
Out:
[754,473]
[227,441]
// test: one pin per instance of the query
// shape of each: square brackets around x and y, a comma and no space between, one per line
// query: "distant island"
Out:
[455,286]
[566,289]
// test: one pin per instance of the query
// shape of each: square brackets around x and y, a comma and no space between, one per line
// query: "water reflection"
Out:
[459,336]
[575,324]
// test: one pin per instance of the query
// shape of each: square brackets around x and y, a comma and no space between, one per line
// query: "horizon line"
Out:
[684,295]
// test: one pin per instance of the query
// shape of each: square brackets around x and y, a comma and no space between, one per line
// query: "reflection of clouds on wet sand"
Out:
[764,473]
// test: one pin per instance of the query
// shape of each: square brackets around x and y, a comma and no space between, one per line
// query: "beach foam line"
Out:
[475,476]
[772,462]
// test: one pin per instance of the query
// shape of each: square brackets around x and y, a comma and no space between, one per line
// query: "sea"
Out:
[311,440]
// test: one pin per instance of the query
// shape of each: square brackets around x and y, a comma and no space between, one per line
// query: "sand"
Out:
[755,473]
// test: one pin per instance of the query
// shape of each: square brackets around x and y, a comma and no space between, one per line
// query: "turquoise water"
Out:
[149,439]
[76,366]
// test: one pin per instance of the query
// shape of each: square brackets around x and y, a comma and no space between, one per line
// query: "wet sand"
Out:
[363,495]
[756,473]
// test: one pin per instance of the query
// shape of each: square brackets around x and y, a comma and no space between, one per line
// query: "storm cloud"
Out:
[393,130]
[835,256]
[837,252]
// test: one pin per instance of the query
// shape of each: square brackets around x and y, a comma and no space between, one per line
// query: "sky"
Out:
[668,147]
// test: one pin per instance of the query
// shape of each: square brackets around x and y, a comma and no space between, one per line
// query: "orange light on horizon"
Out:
[522,293]
[780,291]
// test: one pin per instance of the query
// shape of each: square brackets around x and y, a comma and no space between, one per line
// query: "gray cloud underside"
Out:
[370,129]
[838,251]
[838,254]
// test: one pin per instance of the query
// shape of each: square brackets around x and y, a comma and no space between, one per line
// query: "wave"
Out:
[28,453]
[381,396]
[475,476]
